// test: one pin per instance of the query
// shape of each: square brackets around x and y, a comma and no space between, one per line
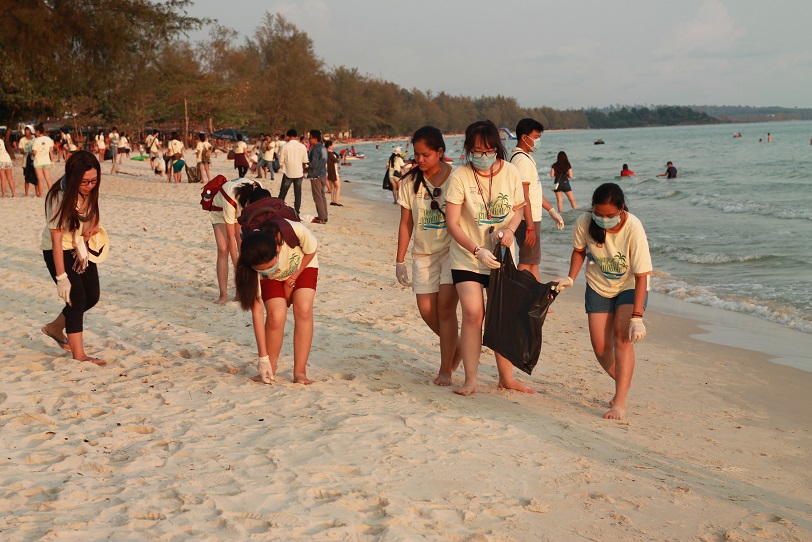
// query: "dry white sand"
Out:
[172,441]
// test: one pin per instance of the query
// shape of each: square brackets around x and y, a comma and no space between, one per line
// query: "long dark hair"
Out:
[66,216]
[258,247]
[486,131]
[562,165]
[249,193]
[433,138]
[605,193]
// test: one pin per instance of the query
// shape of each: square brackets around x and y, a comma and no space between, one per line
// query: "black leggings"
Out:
[84,289]
[241,171]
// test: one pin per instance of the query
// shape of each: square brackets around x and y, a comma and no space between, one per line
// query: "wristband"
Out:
[637,315]
[62,276]
[476,250]
[531,229]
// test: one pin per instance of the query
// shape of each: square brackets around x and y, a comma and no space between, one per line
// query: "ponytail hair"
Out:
[606,193]
[258,247]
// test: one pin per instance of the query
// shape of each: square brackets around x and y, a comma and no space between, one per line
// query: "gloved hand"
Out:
[486,257]
[264,370]
[402,273]
[637,330]
[63,287]
[562,283]
[559,222]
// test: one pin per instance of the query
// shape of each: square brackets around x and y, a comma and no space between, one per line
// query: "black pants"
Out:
[297,191]
[241,171]
[84,289]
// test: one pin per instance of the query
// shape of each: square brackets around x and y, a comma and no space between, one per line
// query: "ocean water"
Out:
[734,231]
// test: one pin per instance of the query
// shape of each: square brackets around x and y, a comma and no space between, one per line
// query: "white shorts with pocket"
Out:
[429,271]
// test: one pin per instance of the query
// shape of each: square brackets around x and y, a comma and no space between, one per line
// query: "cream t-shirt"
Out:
[113,137]
[503,198]
[46,243]
[43,145]
[100,142]
[201,146]
[529,174]
[240,147]
[610,268]
[123,142]
[267,153]
[174,146]
[290,259]
[4,156]
[430,233]
[230,212]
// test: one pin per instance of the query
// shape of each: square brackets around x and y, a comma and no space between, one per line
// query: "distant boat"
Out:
[598,142]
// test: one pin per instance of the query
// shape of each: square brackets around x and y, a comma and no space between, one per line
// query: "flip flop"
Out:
[62,344]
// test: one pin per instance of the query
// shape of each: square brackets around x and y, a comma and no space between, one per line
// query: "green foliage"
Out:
[643,116]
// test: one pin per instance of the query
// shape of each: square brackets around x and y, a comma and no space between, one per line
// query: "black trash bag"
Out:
[516,310]
[29,174]
[387,184]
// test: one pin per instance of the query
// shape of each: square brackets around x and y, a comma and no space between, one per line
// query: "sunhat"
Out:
[98,247]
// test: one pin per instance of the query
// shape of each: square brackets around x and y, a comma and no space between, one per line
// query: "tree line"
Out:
[129,63]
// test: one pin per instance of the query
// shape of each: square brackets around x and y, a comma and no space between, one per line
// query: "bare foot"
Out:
[443,380]
[515,385]
[95,361]
[302,379]
[615,413]
[466,390]
[612,402]
[221,301]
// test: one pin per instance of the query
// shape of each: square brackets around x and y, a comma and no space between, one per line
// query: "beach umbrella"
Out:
[228,133]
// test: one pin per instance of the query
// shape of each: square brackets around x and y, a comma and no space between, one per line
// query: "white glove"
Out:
[402,273]
[637,330]
[264,370]
[559,222]
[562,283]
[63,287]
[486,257]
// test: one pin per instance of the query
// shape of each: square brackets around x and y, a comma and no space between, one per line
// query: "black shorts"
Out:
[461,275]
[563,186]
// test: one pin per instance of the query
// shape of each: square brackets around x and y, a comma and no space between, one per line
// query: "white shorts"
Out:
[429,271]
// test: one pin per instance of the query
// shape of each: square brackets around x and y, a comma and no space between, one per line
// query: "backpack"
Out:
[205,155]
[209,191]
[254,215]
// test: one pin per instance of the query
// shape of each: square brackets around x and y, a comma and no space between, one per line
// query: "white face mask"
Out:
[536,144]
[269,271]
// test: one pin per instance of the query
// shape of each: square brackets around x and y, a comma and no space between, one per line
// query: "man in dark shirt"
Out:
[670,171]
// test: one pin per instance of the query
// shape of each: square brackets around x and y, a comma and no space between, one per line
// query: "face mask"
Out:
[606,223]
[269,271]
[536,145]
[483,163]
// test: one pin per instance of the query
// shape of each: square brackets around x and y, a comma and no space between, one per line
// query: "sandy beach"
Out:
[173,441]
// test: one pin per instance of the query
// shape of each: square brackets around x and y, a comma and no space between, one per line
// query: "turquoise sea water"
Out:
[734,231]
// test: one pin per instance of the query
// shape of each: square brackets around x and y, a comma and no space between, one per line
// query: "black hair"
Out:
[174,135]
[328,143]
[561,166]
[625,166]
[315,134]
[488,133]
[201,136]
[433,138]
[606,193]
[292,133]
[527,127]
[67,216]
[239,136]
[258,247]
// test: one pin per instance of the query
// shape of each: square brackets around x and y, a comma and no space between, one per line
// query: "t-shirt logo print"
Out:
[431,219]
[293,265]
[613,268]
[498,209]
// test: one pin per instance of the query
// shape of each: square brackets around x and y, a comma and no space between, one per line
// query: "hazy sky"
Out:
[572,53]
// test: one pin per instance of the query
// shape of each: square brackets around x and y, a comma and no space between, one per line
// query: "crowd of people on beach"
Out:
[457,220]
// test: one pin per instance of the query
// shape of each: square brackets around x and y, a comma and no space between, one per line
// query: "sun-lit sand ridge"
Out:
[172,441]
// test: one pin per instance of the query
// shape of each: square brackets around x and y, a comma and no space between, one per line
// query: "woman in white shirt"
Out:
[273,274]
[174,151]
[101,145]
[5,170]
[422,214]
[482,202]
[204,151]
[240,157]
[614,242]
[123,146]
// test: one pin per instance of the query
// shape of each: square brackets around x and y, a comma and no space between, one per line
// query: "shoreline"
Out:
[172,440]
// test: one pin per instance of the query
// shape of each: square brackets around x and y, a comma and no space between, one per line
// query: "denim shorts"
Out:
[595,302]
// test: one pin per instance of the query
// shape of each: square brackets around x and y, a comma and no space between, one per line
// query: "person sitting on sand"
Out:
[72,218]
[484,201]
[271,273]
[422,201]
[626,172]
[617,283]
[225,210]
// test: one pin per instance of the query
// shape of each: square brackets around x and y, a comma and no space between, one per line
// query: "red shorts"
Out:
[272,288]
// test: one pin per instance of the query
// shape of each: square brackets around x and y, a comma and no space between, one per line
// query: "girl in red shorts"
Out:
[272,273]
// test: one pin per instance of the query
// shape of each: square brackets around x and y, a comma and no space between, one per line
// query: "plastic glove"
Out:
[562,283]
[486,257]
[637,330]
[402,273]
[559,222]
[264,370]
[63,287]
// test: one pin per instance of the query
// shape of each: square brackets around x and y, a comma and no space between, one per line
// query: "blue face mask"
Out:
[269,271]
[482,163]
[606,223]
[536,144]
